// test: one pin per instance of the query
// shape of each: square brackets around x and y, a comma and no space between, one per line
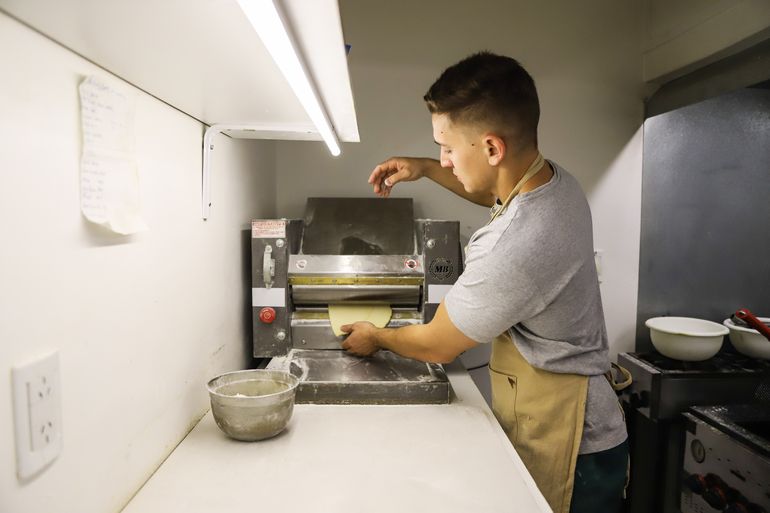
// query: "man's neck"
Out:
[511,173]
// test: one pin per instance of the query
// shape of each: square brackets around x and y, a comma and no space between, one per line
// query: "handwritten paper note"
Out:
[109,181]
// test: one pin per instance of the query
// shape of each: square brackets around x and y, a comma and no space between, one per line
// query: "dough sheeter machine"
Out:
[364,251]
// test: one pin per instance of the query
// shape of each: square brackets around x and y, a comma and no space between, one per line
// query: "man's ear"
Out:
[495,148]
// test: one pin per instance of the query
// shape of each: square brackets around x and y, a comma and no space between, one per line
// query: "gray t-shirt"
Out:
[531,272]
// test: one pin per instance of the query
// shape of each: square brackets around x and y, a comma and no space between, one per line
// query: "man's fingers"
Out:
[382,182]
[381,177]
[381,169]
[377,184]
[346,328]
[396,177]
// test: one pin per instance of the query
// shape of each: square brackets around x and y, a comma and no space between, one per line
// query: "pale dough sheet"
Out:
[342,314]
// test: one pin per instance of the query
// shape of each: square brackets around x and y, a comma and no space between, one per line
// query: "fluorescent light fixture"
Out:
[268,22]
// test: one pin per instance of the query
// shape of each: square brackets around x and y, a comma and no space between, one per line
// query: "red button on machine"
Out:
[267,315]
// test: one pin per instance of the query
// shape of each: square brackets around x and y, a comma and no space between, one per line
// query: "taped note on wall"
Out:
[109,180]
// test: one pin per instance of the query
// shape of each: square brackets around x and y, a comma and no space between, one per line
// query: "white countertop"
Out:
[448,458]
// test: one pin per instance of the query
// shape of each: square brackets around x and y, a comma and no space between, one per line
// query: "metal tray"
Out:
[337,377]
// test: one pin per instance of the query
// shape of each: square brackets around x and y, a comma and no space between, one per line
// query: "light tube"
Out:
[269,25]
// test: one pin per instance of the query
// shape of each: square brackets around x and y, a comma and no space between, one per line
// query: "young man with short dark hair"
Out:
[529,287]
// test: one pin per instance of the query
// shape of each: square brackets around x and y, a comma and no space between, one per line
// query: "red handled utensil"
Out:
[746,316]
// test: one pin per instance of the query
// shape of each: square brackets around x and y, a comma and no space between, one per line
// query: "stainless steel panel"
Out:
[271,339]
[443,257]
[336,377]
[721,472]
[355,265]
[356,294]
[312,330]
[358,226]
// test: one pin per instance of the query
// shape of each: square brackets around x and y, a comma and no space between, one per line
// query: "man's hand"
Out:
[398,169]
[360,340]
[408,169]
[439,341]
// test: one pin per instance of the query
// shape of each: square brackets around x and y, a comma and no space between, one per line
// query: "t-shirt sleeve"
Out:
[491,295]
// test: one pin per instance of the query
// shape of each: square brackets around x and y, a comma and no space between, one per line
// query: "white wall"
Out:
[616,205]
[586,60]
[140,322]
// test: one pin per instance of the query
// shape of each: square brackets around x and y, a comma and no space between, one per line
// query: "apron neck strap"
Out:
[531,171]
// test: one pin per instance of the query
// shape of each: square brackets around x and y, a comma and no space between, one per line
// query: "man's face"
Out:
[462,149]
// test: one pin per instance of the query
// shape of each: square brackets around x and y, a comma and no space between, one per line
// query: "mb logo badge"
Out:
[440,268]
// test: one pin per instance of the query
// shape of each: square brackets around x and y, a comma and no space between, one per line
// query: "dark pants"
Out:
[599,481]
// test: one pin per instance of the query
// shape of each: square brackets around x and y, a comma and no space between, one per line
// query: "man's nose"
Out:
[444,160]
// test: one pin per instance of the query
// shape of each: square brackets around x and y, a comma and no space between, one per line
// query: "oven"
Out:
[662,390]
[727,459]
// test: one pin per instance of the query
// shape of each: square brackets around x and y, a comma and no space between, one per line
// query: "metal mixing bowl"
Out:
[253,404]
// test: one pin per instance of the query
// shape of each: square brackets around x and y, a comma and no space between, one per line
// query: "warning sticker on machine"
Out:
[268,229]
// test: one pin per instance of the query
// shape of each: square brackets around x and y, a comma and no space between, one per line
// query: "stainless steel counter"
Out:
[333,458]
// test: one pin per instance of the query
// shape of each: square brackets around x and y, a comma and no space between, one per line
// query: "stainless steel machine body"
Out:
[349,251]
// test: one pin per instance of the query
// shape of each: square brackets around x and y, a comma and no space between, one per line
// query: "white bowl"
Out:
[749,341]
[685,338]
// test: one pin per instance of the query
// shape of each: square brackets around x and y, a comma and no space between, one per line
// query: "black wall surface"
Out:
[705,234]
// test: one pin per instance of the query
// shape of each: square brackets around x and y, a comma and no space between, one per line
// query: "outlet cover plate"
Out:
[37,414]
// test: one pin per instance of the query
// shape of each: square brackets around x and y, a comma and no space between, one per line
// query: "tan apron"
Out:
[542,412]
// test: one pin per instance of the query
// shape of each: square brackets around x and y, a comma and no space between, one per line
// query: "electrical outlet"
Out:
[37,414]
[43,403]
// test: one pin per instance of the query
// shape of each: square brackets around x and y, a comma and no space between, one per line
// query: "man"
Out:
[529,287]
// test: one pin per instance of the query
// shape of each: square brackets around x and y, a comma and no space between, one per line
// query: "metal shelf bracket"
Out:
[294,132]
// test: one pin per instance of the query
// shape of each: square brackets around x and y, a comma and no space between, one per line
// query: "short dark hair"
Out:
[492,90]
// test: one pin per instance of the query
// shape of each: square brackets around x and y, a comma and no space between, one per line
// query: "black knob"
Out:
[716,498]
[714,480]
